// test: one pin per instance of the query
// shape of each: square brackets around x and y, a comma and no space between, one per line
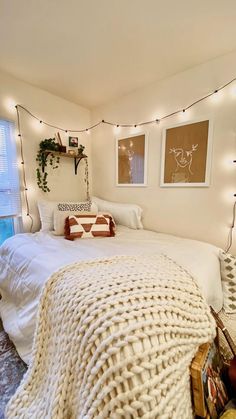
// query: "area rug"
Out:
[12,369]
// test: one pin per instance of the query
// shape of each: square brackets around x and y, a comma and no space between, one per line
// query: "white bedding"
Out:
[27,260]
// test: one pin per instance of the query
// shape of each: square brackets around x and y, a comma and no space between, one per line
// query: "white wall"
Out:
[200,213]
[63,183]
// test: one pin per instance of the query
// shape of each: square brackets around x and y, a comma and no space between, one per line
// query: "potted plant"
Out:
[81,149]
[46,148]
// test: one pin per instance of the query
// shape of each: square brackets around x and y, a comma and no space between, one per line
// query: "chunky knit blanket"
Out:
[115,338]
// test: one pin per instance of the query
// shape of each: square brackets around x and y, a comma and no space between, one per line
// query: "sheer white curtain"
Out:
[10,203]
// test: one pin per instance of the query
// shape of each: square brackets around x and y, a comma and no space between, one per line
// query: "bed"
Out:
[27,261]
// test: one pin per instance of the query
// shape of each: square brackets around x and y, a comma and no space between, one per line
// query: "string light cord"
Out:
[23,171]
[230,238]
[103,121]
[55,126]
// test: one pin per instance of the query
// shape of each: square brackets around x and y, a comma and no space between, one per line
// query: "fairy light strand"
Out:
[103,121]
[23,170]
[115,125]
[230,237]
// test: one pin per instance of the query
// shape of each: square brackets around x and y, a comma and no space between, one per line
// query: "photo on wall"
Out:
[131,160]
[186,150]
[73,141]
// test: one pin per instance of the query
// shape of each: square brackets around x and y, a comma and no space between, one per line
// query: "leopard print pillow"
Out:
[74,206]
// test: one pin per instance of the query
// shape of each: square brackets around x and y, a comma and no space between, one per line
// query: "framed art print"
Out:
[131,160]
[186,155]
[73,141]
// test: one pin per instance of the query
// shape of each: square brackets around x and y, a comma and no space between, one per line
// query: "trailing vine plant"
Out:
[86,180]
[81,149]
[43,158]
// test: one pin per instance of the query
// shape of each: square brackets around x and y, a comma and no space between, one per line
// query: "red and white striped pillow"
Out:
[89,226]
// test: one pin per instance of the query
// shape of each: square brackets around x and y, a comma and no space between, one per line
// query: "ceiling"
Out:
[94,51]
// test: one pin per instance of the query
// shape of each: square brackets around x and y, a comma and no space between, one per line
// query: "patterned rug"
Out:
[12,369]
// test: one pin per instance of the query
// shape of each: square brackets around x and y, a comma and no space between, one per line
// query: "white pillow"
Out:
[46,209]
[128,215]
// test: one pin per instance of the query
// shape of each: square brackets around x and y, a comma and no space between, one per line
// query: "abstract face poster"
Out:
[185,156]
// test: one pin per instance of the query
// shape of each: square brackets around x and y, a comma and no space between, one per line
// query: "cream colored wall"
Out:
[199,213]
[63,182]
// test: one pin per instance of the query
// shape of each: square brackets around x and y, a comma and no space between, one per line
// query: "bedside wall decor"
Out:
[186,150]
[73,141]
[131,160]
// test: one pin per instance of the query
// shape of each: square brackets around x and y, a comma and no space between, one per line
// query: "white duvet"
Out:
[27,260]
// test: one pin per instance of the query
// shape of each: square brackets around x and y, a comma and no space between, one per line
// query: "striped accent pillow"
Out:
[89,226]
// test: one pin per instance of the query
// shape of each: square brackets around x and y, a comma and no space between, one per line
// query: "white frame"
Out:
[208,159]
[122,137]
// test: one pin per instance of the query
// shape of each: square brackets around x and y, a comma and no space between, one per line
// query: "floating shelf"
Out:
[77,158]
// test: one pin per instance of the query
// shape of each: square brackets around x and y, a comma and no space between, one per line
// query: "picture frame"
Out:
[131,160]
[73,141]
[186,154]
[208,388]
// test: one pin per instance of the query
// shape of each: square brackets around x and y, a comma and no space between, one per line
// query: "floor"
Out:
[12,369]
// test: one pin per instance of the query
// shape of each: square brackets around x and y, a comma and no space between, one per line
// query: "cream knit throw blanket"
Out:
[115,338]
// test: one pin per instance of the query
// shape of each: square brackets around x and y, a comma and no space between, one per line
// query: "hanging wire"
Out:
[23,170]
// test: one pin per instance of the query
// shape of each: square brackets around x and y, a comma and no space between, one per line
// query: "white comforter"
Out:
[27,260]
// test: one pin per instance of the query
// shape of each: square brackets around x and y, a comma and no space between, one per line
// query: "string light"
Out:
[23,169]
[115,125]
[230,237]
[103,121]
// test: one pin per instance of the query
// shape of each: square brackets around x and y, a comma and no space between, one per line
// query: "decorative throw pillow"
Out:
[228,276]
[60,218]
[75,206]
[89,226]
[46,211]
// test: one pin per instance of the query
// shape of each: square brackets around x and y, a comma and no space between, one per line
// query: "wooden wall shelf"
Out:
[77,157]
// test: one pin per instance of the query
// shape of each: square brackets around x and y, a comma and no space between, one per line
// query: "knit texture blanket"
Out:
[114,339]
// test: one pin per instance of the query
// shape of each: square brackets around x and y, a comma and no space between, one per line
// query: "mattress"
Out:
[28,260]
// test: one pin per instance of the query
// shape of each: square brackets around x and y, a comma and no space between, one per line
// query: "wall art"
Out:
[186,155]
[131,160]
